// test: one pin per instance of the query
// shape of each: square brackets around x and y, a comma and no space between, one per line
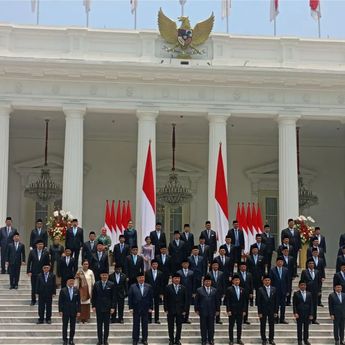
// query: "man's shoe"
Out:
[219,322]
[239,341]
[145,342]
[64,342]
[284,322]
[150,321]
[299,343]
[307,342]
[106,343]
[231,343]
[337,342]
[135,343]
[272,342]
[121,321]
[39,322]
[320,305]
[158,322]
[113,321]
[177,342]
[32,303]
[315,322]
[11,287]
[188,321]
[247,322]
[171,342]
[264,342]
[16,287]
[71,342]
[342,342]
[49,323]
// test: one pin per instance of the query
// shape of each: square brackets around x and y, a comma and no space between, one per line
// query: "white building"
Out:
[108,92]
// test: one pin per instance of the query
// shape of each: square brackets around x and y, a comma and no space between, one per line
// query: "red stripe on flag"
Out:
[238,216]
[118,217]
[148,183]
[259,219]
[314,4]
[221,193]
[124,216]
[112,217]
[129,212]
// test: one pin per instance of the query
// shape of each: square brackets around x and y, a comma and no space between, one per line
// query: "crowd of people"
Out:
[181,274]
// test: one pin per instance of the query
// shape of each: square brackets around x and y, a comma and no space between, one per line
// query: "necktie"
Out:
[121,247]
[208,233]
[343,275]
[176,289]
[237,292]
[312,274]
[339,296]
[74,231]
[223,260]
[142,289]
[158,234]
[46,276]
[244,276]
[215,276]
[163,259]
[255,259]
[280,272]
[187,236]
[67,260]
[177,243]
[39,232]
[99,256]
[303,295]
[202,248]
[154,275]
[196,260]
[92,245]
[103,283]
[70,293]
[8,231]
[268,291]
[236,238]
[16,246]
[39,255]
[208,290]
[185,272]
[135,259]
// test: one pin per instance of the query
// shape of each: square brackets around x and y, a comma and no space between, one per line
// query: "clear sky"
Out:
[247,17]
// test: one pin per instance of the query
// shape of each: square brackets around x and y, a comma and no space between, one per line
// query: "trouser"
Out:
[338,328]
[288,296]
[33,287]
[207,328]
[302,329]
[320,295]
[281,305]
[72,320]
[172,320]
[3,258]
[14,275]
[103,320]
[186,317]
[237,255]
[220,303]
[314,297]
[156,300]
[119,307]
[140,317]
[246,309]
[263,320]
[75,254]
[237,317]
[295,255]
[45,305]
[269,262]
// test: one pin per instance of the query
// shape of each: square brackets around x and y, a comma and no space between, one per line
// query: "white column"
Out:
[288,177]
[72,189]
[146,132]
[217,134]
[5,110]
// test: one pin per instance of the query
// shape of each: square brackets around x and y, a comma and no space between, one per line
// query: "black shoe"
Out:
[71,342]
[247,322]
[264,342]
[158,322]
[3,272]
[49,323]
[211,342]
[288,304]
[284,322]
[144,342]
[306,342]
[336,342]
[203,343]
[239,341]
[342,342]
[219,322]
[16,287]
[171,342]
[150,321]
[321,305]
[135,342]
[113,321]
[272,342]
[32,303]
[188,321]
[177,342]
[11,287]
[315,322]
[299,343]
[64,342]
[39,322]
[231,343]
[106,343]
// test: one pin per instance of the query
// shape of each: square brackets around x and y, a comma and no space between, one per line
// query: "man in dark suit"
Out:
[121,291]
[235,308]
[175,306]
[38,257]
[154,277]
[340,258]
[267,303]
[198,266]
[100,261]
[164,264]
[342,240]
[90,247]
[321,238]
[158,238]
[218,283]
[261,247]
[237,239]
[45,289]
[121,251]
[187,281]
[69,309]
[140,302]
[225,265]
[285,244]
[134,265]
[289,263]
[205,251]
[75,240]
[6,237]
[177,251]
[66,266]
[210,237]
[14,259]
[246,283]
[315,245]
[103,303]
[256,266]
[38,234]
[228,247]
[207,306]
[339,277]
[269,240]
[294,238]
[280,280]
[303,312]
[336,306]
[312,278]
[319,265]
[188,238]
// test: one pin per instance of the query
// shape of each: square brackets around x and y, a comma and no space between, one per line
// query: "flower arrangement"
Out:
[58,224]
[306,231]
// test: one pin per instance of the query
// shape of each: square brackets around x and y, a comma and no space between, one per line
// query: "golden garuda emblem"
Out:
[184,39]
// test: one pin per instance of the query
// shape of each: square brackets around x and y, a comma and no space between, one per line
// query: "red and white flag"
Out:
[244,228]
[124,216]
[254,222]
[259,220]
[114,237]
[134,5]
[129,212]
[118,218]
[148,199]
[226,5]
[221,199]
[107,221]
[87,5]
[315,10]
[251,237]
[274,9]
[238,216]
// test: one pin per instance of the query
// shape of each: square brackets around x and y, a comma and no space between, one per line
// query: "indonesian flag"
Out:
[274,9]
[87,5]
[238,216]
[114,237]
[107,221]
[124,216]
[226,5]
[134,5]
[245,229]
[254,221]
[118,218]
[259,220]
[315,10]
[221,199]
[251,238]
[33,5]
[148,200]
[129,212]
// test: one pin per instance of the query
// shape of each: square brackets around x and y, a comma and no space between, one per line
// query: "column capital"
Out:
[217,116]
[5,109]
[75,111]
[288,118]
[147,114]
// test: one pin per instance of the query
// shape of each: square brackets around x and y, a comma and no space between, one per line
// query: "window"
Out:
[271,208]
[44,212]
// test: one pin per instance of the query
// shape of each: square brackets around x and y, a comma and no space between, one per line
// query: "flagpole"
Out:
[182,9]
[38,13]
[275,27]
[87,19]
[227,16]
[319,26]
[135,19]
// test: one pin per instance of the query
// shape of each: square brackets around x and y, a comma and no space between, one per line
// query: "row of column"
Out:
[72,198]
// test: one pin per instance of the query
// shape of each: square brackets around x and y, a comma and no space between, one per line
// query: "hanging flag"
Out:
[238,216]
[114,237]
[134,5]
[259,220]
[118,218]
[148,200]
[251,238]
[107,221]
[274,11]
[87,5]
[254,221]
[221,199]
[226,5]
[245,229]
[33,5]
[124,216]
[315,10]
[129,212]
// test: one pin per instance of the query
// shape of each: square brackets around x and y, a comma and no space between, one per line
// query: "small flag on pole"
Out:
[226,5]
[114,238]
[245,228]
[134,5]
[33,6]
[129,212]
[274,11]
[315,10]
[118,218]
[87,5]
[124,216]
[107,221]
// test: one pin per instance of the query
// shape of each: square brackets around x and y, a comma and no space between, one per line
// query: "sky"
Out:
[247,17]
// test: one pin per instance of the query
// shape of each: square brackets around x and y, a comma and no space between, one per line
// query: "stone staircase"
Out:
[18,323]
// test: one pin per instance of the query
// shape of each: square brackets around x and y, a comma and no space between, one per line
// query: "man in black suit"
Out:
[235,307]
[228,247]
[187,281]
[210,237]
[261,247]
[177,251]
[206,305]
[256,266]
[45,289]
[336,306]
[267,303]
[339,277]
[121,251]
[38,257]
[103,303]
[69,309]
[315,245]
[237,239]
[303,312]
[66,266]
[269,240]
[75,240]
[154,277]
[340,259]
[175,306]
[100,261]
[225,265]
[158,238]
[38,234]
[205,251]
[140,302]
[280,280]
[321,238]
[312,278]
[342,240]
[285,244]
[246,283]
[90,247]
[164,264]
[121,291]
[134,265]
[188,238]
[198,266]
[319,265]
[218,283]
[14,259]
[6,237]
[289,263]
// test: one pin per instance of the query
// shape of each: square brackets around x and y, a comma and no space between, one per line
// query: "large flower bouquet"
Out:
[306,231]
[58,224]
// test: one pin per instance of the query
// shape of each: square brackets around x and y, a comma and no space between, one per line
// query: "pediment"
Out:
[163,168]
